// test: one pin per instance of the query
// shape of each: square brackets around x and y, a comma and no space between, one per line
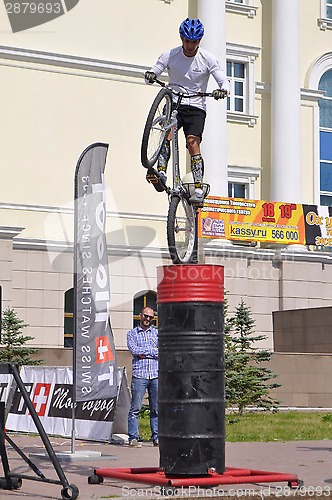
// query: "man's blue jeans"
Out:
[138,388]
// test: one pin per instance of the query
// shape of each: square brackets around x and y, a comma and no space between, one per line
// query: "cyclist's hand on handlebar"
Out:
[150,77]
[219,94]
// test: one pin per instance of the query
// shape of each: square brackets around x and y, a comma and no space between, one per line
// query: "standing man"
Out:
[142,342]
[190,67]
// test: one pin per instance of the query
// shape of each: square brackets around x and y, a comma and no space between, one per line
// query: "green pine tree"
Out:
[13,342]
[247,382]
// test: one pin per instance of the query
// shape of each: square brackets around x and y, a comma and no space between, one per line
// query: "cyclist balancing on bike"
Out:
[190,66]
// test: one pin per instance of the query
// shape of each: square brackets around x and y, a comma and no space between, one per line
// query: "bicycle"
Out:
[182,215]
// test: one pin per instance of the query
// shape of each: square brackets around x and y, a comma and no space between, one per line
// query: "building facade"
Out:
[79,79]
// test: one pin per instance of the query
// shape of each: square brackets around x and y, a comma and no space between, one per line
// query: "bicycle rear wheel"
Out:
[182,231]
[155,131]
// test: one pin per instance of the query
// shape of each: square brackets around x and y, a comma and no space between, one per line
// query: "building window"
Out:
[242,182]
[325,139]
[328,9]
[236,190]
[236,73]
[69,318]
[146,298]
[246,7]
[325,20]
[325,104]
[240,72]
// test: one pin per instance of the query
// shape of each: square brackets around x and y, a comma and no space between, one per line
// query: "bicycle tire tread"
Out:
[145,160]
[171,219]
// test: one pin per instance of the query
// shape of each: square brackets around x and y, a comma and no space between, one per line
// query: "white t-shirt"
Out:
[193,73]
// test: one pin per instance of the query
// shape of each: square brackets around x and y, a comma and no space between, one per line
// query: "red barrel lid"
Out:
[190,283]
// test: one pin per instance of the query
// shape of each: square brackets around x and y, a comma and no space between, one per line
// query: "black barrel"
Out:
[191,400]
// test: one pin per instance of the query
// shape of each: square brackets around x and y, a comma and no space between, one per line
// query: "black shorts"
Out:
[192,120]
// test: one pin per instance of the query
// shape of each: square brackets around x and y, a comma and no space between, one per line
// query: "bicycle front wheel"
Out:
[155,131]
[182,231]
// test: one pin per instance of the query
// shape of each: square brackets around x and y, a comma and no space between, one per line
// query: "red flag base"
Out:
[232,475]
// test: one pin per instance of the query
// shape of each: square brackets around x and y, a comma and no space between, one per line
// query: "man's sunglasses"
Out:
[147,316]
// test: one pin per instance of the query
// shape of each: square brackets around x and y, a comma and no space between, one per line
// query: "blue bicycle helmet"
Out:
[192,29]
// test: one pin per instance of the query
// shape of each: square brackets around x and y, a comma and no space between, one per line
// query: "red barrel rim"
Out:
[190,283]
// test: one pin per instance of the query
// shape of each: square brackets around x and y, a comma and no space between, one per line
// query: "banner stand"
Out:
[14,480]
[120,424]
[94,357]
[119,433]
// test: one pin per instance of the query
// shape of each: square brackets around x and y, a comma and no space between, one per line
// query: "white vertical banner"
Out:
[94,352]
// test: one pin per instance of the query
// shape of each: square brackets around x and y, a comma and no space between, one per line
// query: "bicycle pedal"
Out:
[152,178]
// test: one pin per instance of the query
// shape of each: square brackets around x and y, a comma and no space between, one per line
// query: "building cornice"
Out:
[212,248]
[284,254]
[69,62]
[68,247]
[70,211]
[249,120]
[312,95]
[317,69]
[246,170]
[306,93]
[9,232]
[244,9]
[324,23]
[236,49]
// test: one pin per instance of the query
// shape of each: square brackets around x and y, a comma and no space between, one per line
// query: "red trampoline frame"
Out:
[232,475]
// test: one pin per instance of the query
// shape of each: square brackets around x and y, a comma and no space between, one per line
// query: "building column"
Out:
[214,145]
[286,172]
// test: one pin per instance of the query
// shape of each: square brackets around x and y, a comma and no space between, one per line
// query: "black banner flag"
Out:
[95,373]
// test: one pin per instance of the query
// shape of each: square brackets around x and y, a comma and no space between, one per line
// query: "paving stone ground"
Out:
[311,461]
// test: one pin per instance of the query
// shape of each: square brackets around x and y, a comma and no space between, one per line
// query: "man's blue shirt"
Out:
[143,345]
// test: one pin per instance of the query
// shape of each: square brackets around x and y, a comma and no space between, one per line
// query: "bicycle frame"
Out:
[177,187]
[182,215]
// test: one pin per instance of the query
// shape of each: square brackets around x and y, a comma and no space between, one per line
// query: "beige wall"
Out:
[78,80]
[107,29]
[40,278]
[303,330]
[55,108]
[64,357]
[268,281]
[305,379]
[35,278]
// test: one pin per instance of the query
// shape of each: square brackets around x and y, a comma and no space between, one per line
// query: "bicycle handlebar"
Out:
[186,95]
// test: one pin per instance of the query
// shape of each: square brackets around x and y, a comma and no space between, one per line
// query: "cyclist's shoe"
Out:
[197,198]
[157,180]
